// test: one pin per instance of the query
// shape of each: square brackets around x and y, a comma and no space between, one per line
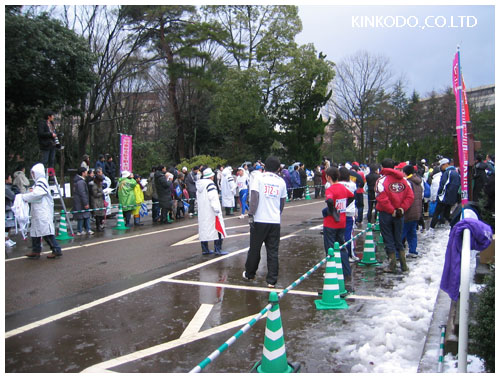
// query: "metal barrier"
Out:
[463,330]
[237,335]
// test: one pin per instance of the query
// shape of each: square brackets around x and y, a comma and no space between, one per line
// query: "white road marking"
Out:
[97,302]
[72,311]
[114,296]
[318,227]
[194,239]
[242,287]
[112,240]
[199,318]
[103,366]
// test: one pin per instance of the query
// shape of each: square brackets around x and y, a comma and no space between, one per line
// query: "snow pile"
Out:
[474,364]
[391,338]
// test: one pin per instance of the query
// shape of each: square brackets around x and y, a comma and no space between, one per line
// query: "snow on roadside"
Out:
[393,337]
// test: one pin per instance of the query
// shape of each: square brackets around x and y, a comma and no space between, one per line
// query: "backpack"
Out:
[427,190]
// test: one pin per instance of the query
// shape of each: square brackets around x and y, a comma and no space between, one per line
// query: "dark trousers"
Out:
[192,198]
[269,234]
[391,229]
[155,210]
[98,222]
[359,203]
[127,215]
[317,190]
[349,221]
[442,209]
[36,244]
[371,206]
[164,214]
[48,157]
[332,235]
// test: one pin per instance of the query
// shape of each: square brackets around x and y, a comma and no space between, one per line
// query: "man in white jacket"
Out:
[228,189]
[210,221]
[42,215]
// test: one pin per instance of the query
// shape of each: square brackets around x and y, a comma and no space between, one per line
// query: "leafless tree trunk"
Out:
[358,79]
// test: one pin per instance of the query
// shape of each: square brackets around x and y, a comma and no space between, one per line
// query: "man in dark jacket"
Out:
[110,170]
[447,193]
[164,192]
[46,139]
[317,182]
[81,202]
[479,177]
[303,179]
[394,198]
[371,179]
[190,181]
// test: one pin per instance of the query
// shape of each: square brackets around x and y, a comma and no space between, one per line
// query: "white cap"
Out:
[443,161]
[207,173]
[184,169]
[423,161]
[348,166]
[125,174]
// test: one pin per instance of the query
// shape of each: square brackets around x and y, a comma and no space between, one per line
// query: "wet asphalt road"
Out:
[124,301]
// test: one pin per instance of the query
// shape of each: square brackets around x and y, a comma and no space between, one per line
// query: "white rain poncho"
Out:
[42,204]
[228,188]
[208,208]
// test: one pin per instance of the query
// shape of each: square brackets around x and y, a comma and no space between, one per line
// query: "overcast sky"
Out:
[420,41]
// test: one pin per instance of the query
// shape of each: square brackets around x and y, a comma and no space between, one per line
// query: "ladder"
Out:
[51,172]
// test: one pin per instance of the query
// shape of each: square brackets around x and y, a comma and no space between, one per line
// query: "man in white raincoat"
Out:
[228,189]
[42,215]
[210,221]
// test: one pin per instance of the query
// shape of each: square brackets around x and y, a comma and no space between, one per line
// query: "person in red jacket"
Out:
[338,197]
[394,196]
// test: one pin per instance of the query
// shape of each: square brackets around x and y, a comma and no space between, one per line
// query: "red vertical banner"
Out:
[462,117]
[125,152]
[466,103]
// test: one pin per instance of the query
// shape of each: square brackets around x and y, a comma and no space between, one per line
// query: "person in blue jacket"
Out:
[447,193]
[295,178]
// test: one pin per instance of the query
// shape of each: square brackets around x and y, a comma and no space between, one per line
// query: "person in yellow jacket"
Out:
[139,199]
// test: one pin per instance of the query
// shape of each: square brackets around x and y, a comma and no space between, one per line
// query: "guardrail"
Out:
[216,353]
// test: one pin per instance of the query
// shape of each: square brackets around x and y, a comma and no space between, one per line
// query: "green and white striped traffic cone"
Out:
[330,299]
[308,197]
[369,257]
[377,224]
[120,224]
[340,271]
[63,231]
[274,354]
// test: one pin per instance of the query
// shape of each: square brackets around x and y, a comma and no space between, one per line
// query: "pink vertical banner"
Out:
[461,126]
[125,152]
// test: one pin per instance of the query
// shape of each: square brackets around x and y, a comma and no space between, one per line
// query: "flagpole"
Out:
[461,163]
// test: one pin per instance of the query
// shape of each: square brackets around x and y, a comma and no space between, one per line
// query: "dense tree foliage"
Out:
[47,66]
[225,80]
